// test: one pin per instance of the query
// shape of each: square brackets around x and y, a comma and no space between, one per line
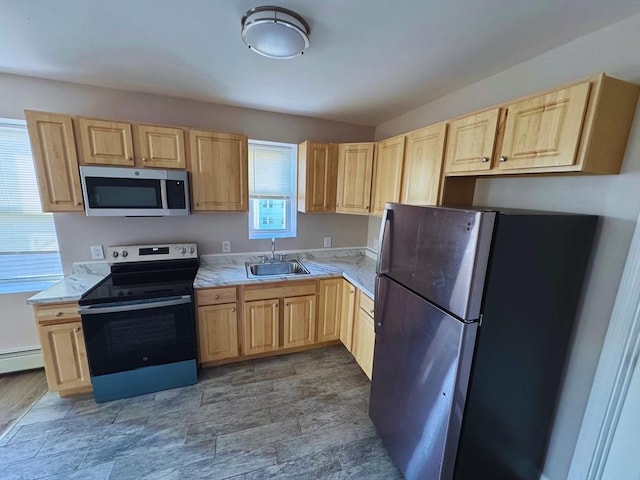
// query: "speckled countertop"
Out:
[353,264]
[83,277]
[221,270]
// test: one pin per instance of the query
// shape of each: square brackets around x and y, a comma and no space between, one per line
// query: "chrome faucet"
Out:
[273,250]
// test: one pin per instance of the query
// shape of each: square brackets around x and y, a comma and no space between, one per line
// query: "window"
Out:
[29,257]
[272,189]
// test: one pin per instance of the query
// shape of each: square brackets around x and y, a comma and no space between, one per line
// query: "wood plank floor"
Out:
[18,391]
[298,416]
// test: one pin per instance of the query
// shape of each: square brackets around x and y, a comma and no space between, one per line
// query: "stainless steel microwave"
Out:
[134,192]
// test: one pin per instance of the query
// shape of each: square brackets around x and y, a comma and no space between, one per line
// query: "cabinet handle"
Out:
[484,159]
[58,314]
[503,159]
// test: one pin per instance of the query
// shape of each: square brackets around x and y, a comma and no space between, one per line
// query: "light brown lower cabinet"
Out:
[261,326]
[329,309]
[63,349]
[347,312]
[217,332]
[299,321]
[364,336]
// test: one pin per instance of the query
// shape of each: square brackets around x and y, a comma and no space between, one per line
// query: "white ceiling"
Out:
[369,60]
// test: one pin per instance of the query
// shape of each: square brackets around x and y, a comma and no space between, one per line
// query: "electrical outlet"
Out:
[97,253]
[226,246]
[375,244]
[327,242]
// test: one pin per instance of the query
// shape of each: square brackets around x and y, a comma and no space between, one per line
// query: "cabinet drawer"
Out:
[259,292]
[56,312]
[215,296]
[366,303]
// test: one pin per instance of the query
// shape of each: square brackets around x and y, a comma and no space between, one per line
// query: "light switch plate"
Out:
[97,253]
[327,242]
[226,246]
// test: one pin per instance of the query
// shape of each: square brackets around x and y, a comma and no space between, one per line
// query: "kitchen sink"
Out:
[292,267]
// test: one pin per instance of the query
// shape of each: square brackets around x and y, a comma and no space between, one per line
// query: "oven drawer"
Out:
[56,313]
[215,296]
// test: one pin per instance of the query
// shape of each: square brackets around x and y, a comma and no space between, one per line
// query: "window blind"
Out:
[29,257]
[272,187]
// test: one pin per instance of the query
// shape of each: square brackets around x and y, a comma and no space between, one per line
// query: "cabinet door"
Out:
[299,321]
[317,177]
[56,161]
[260,326]
[388,172]
[364,338]
[105,142]
[217,332]
[65,356]
[218,164]
[423,165]
[161,147]
[355,172]
[544,131]
[329,310]
[471,142]
[347,311]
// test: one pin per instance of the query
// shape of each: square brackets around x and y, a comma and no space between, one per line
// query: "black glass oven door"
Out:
[125,336]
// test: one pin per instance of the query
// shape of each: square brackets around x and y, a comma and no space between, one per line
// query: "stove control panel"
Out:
[147,253]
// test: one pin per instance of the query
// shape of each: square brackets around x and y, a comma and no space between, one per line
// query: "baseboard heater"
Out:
[21,360]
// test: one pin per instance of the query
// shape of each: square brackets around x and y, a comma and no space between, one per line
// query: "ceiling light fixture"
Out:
[275,32]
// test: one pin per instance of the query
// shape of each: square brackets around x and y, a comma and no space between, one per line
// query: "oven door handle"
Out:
[165,302]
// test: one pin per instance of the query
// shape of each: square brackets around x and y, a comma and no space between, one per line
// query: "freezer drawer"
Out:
[420,375]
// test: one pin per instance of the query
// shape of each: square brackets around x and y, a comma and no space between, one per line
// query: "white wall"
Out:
[613,50]
[76,231]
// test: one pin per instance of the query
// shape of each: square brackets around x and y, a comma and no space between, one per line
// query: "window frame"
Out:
[291,211]
[33,281]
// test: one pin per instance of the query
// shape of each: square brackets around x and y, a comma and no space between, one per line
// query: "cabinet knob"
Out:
[484,159]
[217,297]
[366,207]
[233,309]
[144,159]
[371,311]
[197,204]
[77,329]
[351,292]
[58,314]
[78,203]
[275,305]
[503,159]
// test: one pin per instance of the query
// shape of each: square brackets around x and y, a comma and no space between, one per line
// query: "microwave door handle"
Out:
[163,194]
[135,306]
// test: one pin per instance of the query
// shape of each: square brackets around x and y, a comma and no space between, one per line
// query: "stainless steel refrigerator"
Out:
[474,312]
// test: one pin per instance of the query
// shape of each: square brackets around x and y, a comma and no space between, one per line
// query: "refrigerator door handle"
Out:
[377,312]
[386,220]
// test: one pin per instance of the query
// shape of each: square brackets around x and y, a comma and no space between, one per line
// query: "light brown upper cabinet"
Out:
[387,172]
[422,169]
[355,171]
[218,164]
[583,127]
[471,142]
[56,161]
[317,176]
[160,147]
[105,142]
